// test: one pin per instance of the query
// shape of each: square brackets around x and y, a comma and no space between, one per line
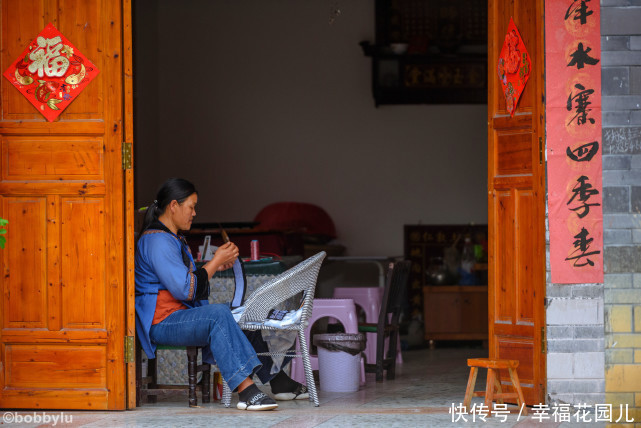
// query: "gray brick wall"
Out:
[621,92]
[579,323]
[585,326]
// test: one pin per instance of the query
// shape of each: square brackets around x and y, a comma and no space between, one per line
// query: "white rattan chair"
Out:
[300,278]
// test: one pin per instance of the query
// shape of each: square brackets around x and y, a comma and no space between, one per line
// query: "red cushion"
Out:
[307,218]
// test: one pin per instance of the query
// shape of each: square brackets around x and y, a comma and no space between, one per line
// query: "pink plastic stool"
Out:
[369,299]
[344,311]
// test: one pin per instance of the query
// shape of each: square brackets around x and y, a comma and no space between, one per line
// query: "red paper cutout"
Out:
[514,67]
[51,72]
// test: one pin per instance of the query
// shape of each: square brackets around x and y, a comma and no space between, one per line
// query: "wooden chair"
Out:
[148,388]
[493,382]
[388,321]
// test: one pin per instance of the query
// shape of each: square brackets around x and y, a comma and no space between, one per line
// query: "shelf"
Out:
[450,312]
[446,59]
[429,79]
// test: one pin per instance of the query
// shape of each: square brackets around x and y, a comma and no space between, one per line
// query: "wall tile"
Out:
[623,378]
[618,280]
[635,199]
[567,311]
[622,221]
[589,331]
[615,43]
[635,42]
[618,58]
[619,356]
[615,81]
[621,102]
[618,318]
[616,199]
[617,236]
[583,345]
[589,365]
[635,80]
[560,366]
[616,118]
[622,259]
[620,21]
[617,178]
[617,162]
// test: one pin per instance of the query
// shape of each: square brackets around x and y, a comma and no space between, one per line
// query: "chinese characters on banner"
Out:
[573,94]
[51,72]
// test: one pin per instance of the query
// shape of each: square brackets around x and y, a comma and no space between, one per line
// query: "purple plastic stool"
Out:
[369,299]
[342,310]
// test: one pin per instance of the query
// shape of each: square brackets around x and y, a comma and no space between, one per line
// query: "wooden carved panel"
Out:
[504,212]
[83,239]
[521,349]
[30,16]
[37,158]
[514,153]
[526,258]
[45,366]
[25,283]
[78,20]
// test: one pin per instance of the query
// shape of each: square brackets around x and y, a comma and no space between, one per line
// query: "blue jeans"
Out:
[212,327]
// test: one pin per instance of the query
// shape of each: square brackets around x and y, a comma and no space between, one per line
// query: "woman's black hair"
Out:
[174,188]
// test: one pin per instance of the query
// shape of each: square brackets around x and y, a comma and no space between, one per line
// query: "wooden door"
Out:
[64,285]
[516,202]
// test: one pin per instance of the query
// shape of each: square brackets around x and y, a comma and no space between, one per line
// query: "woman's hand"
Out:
[224,258]
[226,254]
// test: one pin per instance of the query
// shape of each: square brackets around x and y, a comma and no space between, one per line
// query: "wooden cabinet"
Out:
[450,308]
[455,312]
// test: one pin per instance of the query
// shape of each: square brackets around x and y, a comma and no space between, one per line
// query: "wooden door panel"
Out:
[83,263]
[514,154]
[62,188]
[524,256]
[19,18]
[516,203]
[53,158]
[521,349]
[48,366]
[77,21]
[25,298]
[504,268]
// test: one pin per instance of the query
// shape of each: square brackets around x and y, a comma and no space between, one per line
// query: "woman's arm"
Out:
[162,252]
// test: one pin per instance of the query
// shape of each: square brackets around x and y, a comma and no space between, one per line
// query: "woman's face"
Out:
[184,213]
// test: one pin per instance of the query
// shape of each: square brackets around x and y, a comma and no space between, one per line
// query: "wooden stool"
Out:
[493,380]
[148,388]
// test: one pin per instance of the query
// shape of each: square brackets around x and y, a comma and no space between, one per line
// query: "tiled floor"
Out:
[426,386]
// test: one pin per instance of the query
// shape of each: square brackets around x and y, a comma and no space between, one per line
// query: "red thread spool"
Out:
[254,250]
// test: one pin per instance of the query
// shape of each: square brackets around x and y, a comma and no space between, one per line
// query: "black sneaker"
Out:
[258,401]
[299,393]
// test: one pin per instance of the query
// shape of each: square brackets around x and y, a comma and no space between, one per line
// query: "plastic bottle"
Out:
[467,263]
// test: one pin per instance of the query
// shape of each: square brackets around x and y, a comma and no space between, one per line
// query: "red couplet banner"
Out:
[574,146]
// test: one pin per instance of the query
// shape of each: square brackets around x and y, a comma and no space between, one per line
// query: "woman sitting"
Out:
[172,307]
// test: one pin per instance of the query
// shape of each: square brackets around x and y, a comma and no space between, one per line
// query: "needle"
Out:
[224,234]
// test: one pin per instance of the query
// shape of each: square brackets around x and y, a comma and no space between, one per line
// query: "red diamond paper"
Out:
[51,72]
[514,67]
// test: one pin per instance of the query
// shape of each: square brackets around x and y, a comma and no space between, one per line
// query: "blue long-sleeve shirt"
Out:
[163,262]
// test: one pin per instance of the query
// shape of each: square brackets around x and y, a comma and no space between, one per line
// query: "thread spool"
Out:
[254,249]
